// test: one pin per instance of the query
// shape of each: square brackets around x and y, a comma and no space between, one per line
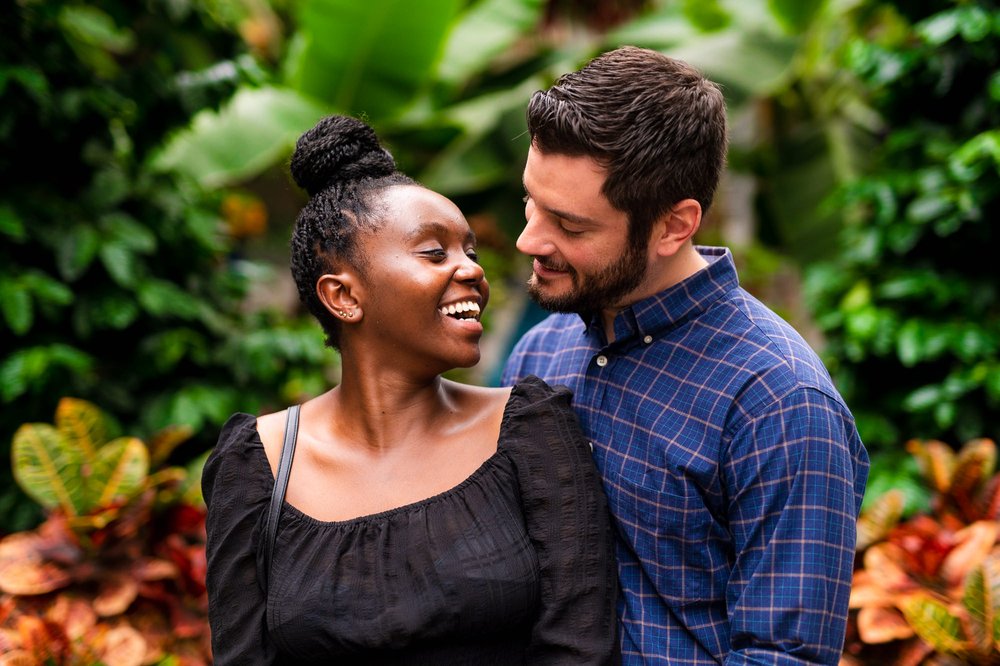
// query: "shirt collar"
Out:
[664,310]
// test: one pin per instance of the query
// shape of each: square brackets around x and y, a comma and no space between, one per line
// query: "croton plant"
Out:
[926,590]
[116,573]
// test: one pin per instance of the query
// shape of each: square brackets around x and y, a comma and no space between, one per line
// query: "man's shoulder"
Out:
[773,350]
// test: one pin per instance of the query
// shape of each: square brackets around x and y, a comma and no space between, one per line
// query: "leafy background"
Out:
[145,205]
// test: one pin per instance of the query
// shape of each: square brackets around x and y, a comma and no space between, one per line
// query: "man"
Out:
[732,466]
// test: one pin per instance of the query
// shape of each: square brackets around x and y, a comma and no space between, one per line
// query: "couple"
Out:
[691,499]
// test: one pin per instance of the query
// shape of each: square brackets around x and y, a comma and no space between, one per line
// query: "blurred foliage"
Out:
[117,283]
[910,306]
[927,590]
[116,573]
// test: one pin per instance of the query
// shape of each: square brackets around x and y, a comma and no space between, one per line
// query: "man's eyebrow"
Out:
[572,217]
[435,228]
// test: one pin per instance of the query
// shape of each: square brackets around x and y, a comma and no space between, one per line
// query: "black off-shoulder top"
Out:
[514,565]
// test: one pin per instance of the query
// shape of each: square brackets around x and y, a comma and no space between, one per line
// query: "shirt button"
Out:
[648,339]
[591,446]
[602,360]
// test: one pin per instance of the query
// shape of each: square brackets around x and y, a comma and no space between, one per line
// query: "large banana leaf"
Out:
[486,30]
[368,57]
[255,129]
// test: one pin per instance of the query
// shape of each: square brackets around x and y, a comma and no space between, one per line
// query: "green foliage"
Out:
[910,307]
[118,283]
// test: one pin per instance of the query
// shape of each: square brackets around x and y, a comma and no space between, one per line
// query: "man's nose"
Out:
[533,240]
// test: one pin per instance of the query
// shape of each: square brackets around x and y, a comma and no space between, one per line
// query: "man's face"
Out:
[583,260]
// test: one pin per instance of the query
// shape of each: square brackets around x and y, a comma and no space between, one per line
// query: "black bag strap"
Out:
[280,483]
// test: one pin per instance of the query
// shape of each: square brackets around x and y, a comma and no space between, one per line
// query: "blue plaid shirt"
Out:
[732,467]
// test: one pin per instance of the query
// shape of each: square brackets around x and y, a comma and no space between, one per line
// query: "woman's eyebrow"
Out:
[435,228]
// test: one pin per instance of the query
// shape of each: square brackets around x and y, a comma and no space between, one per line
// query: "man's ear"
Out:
[676,227]
[338,292]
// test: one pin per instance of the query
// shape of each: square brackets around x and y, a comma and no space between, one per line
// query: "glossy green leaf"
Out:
[369,58]
[125,230]
[11,224]
[120,262]
[15,303]
[254,130]
[46,289]
[76,248]
[160,298]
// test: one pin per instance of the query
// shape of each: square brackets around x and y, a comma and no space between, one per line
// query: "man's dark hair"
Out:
[340,163]
[655,123]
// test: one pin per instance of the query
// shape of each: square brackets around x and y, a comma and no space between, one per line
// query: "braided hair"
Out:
[343,168]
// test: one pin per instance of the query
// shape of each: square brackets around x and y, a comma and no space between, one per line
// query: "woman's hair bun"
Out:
[338,149]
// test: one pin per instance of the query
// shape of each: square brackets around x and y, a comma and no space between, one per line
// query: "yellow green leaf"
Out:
[120,471]
[47,469]
[936,461]
[82,425]
[936,623]
[879,519]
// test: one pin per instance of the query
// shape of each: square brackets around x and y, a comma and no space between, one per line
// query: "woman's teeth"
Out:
[463,310]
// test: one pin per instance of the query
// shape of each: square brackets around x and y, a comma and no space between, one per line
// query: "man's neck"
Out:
[662,275]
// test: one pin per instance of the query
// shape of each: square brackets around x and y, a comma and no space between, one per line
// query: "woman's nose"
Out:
[470,271]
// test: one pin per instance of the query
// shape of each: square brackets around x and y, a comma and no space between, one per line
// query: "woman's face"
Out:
[425,290]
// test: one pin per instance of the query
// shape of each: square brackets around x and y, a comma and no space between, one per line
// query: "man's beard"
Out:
[603,290]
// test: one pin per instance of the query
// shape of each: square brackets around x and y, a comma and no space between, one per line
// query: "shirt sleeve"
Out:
[567,519]
[233,483]
[795,475]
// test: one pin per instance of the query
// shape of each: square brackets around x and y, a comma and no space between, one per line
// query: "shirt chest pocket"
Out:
[680,545]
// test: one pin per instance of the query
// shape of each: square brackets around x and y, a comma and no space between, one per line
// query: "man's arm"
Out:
[795,474]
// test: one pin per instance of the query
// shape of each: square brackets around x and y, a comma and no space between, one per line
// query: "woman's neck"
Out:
[381,407]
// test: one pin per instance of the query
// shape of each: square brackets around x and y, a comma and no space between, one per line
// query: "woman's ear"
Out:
[338,292]
[676,227]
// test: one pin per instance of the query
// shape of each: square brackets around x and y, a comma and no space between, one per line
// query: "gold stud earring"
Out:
[347,314]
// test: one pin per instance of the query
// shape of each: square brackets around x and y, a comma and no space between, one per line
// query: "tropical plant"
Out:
[910,307]
[116,573]
[117,283]
[927,590]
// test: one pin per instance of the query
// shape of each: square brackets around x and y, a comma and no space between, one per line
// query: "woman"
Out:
[424,521]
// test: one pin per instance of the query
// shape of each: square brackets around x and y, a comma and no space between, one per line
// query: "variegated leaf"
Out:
[82,425]
[973,545]
[881,625]
[981,598]
[936,622]
[884,514]
[119,471]
[975,464]
[47,469]
[936,461]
